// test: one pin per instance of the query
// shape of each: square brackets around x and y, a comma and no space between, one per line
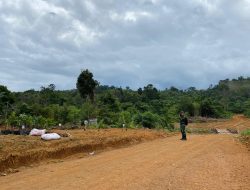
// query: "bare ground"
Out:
[238,122]
[203,162]
[16,150]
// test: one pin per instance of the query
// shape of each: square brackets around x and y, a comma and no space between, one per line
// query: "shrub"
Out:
[149,120]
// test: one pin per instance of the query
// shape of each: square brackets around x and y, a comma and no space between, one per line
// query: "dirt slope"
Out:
[16,150]
[202,162]
[237,122]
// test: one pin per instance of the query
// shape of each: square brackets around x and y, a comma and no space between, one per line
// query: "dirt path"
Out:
[202,162]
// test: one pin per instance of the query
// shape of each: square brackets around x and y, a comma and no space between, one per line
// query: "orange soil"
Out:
[238,122]
[18,150]
[202,162]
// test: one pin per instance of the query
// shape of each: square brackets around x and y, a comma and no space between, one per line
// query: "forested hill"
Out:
[234,85]
[114,106]
[234,94]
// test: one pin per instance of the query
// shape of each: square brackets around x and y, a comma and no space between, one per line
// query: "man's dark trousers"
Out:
[183,132]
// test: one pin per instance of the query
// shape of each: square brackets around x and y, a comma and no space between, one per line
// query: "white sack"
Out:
[37,132]
[50,136]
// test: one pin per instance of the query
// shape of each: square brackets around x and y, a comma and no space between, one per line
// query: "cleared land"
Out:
[16,150]
[238,122]
[203,162]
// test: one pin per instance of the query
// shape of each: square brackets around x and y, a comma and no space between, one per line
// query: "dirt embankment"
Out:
[16,151]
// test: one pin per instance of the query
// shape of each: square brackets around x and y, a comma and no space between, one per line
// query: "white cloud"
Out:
[134,16]
[80,34]
[130,16]
[90,6]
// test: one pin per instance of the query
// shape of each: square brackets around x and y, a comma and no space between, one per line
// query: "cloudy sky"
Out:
[124,43]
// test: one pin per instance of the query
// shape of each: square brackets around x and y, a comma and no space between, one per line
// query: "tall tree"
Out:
[6,100]
[86,84]
[49,95]
[150,92]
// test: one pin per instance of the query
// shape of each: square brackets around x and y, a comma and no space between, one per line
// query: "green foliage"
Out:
[5,96]
[125,117]
[186,105]
[26,120]
[74,115]
[49,96]
[6,101]
[246,132]
[109,108]
[113,106]
[149,120]
[101,125]
[13,120]
[24,109]
[29,121]
[170,117]
[86,84]
[246,108]
[150,92]
[88,111]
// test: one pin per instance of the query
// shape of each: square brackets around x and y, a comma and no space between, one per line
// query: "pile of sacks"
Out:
[44,136]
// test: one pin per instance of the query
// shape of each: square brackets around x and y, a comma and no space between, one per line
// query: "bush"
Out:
[13,120]
[42,122]
[125,118]
[26,120]
[149,120]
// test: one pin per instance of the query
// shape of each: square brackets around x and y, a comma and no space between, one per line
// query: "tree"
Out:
[24,109]
[6,97]
[151,92]
[49,95]
[6,100]
[86,84]
[207,109]
[186,105]
[247,108]
[140,91]
[109,108]
[88,111]
[74,115]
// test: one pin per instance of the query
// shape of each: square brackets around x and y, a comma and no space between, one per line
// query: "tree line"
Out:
[115,106]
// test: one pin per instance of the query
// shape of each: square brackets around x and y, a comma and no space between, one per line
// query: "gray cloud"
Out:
[124,43]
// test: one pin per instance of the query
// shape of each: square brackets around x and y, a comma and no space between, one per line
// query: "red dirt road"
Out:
[203,162]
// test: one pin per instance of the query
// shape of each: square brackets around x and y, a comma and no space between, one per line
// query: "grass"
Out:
[245,137]
[245,132]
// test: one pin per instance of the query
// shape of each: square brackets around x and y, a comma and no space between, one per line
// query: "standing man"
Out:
[183,124]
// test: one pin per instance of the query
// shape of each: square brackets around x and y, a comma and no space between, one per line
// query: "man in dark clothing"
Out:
[183,124]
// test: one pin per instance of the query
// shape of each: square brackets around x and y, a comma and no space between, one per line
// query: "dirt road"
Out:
[202,162]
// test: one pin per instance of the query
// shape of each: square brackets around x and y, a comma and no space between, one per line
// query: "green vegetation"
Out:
[115,106]
[246,132]
[245,137]
[86,85]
